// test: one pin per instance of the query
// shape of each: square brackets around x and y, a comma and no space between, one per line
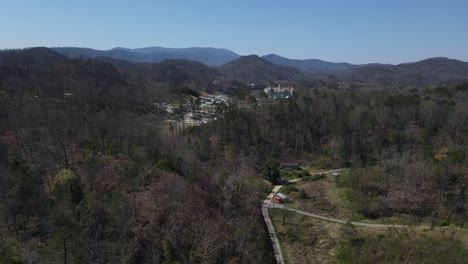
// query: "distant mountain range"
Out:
[209,56]
[203,65]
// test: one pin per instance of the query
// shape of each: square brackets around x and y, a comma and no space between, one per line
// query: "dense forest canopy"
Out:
[91,173]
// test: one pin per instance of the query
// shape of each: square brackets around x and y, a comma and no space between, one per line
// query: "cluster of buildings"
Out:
[196,118]
[279,92]
[203,109]
[196,112]
[210,101]
[169,108]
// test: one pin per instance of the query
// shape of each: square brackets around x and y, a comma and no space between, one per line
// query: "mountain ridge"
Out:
[432,71]
[209,56]
[256,69]
[314,66]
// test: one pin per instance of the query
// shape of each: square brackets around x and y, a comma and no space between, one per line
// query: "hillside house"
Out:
[289,166]
[281,198]
[337,176]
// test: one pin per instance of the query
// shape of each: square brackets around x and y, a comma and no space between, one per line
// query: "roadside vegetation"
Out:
[428,240]
[396,245]
[308,240]
[293,174]
[304,239]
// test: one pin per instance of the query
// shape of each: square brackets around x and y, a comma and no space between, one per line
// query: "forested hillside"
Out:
[255,69]
[91,173]
[312,66]
[434,71]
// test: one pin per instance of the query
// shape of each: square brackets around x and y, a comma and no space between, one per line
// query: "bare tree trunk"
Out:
[64,251]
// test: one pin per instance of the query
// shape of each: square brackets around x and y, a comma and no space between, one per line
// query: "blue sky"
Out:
[356,31]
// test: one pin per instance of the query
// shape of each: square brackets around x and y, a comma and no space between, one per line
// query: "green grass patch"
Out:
[289,189]
[400,246]
[304,239]
[292,174]
[314,177]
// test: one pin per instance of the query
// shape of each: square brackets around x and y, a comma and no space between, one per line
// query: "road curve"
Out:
[279,206]
[269,203]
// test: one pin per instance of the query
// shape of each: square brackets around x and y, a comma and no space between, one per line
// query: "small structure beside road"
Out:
[337,176]
[289,166]
[281,198]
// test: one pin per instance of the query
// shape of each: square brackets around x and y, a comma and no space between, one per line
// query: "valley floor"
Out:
[305,239]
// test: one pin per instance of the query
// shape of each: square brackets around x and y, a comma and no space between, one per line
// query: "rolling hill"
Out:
[255,69]
[32,56]
[312,66]
[426,72]
[174,72]
[44,72]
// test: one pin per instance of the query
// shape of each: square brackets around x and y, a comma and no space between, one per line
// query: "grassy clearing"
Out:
[312,196]
[411,245]
[293,174]
[308,240]
[325,197]
[338,197]
[303,239]
[314,170]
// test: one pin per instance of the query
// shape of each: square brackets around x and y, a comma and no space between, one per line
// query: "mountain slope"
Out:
[32,56]
[310,65]
[426,72]
[44,72]
[255,69]
[209,56]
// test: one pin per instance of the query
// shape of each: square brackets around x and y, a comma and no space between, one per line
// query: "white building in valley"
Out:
[279,92]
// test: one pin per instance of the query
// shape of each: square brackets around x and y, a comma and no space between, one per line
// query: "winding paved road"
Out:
[268,203]
[271,229]
[280,206]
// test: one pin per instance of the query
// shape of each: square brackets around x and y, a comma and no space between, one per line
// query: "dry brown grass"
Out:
[304,239]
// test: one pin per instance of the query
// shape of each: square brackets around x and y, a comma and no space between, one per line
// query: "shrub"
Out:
[302,194]
[165,165]
[67,186]
[289,189]
[323,162]
[271,171]
[314,177]
[15,259]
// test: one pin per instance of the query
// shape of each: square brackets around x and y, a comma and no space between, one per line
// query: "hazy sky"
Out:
[357,31]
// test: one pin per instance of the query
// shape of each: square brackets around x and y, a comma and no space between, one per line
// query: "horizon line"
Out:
[240,55]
